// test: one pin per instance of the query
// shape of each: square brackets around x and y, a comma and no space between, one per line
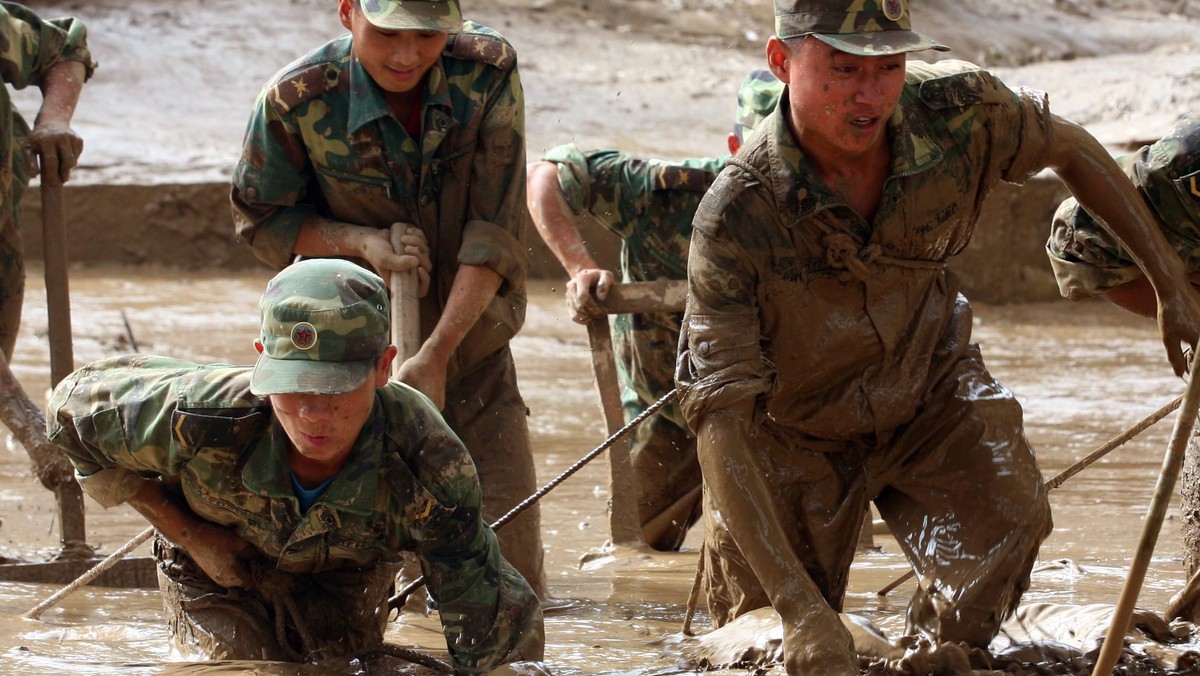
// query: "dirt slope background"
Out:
[163,117]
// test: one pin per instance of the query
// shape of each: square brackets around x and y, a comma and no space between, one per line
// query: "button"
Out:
[702,348]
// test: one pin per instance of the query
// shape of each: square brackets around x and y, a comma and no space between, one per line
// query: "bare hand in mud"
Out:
[1179,325]
[584,289]
[53,150]
[52,468]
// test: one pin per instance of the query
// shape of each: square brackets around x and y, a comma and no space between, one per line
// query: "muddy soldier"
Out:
[649,204]
[287,491]
[53,55]
[415,117]
[826,357]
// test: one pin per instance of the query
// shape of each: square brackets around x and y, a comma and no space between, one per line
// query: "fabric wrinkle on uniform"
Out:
[888,401]
[322,141]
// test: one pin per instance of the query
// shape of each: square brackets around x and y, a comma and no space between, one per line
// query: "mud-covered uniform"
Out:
[408,485]
[649,204]
[1088,261]
[29,47]
[853,342]
[322,140]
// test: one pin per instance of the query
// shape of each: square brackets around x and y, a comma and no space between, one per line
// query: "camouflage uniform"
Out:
[408,485]
[649,204]
[29,46]
[322,140]
[1089,261]
[852,340]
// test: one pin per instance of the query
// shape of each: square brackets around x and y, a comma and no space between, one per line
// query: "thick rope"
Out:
[402,596]
[91,574]
[842,252]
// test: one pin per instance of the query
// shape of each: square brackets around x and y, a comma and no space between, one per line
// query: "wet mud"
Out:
[1083,372]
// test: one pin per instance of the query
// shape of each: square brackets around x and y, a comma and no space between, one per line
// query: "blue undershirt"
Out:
[307,496]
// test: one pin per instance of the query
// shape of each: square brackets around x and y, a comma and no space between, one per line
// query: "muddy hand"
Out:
[1179,324]
[53,150]
[584,289]
[221,554]
[415,246]
[51,467]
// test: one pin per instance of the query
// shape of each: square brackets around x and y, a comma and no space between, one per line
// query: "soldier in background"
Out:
[649,204]
[416,117]
[284,494]
[52,54]
[1088,261]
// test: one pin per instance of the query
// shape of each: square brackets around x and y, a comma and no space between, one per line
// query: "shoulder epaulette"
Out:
[675,177]
[489,48]
[302,85]
[954,84]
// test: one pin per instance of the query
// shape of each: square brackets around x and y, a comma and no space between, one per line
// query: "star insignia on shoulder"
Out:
[301,87]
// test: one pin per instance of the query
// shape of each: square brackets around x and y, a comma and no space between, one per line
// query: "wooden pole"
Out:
[68,495]
[1114,640]
[406,325]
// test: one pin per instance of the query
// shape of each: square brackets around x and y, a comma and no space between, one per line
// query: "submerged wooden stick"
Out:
[91,574]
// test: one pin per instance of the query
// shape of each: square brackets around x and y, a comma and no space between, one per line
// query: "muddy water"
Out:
[1084,372]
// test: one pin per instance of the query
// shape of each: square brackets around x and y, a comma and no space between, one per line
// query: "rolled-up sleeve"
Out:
[112,419]
[33,46]
[269,185]
[498,215]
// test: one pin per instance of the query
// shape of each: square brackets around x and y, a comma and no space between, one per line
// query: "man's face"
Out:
[324,427]
[396,60]
[839,103]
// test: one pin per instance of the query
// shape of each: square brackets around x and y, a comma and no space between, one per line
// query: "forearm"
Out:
[167,513]
[554,220]
[473,289]
[323,237]
[60,87]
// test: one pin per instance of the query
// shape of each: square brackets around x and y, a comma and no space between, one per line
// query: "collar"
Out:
[800,189]
[367,103]
[354,488]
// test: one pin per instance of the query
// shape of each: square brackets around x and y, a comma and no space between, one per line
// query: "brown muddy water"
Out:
[1084,372]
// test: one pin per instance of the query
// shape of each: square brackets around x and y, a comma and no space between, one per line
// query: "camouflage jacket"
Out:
[408,485]
[322,140]
[1089,261]
[649,204]
[841,324]
[29,46]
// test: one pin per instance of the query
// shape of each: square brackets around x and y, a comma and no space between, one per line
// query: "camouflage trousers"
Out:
[958,486]
[343,611]
[663,457]
[486,411]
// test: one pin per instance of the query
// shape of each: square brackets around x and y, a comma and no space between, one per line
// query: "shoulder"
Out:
[480,44]
[743,187]
[311,76]
[955,84]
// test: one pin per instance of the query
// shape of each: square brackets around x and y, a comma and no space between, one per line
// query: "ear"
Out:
[345,12]
[383,372]
[258,345]
[778,56]
[733,143]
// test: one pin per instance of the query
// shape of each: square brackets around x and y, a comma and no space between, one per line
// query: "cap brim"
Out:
[444,17]
[880,43]
[307,376]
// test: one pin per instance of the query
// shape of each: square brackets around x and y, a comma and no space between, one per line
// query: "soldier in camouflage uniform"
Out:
[415,117]
[284,494]
[1088,261]
[826,356]
[649,204]
[52,54]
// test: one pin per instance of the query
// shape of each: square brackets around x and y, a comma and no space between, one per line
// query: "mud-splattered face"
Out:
[396,60]
[839,102]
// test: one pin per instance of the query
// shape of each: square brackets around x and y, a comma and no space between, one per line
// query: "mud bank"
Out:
[188,226]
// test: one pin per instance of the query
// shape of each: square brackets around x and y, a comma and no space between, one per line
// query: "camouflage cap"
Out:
[422,15]
[756,98]
[863,27]
[325,321]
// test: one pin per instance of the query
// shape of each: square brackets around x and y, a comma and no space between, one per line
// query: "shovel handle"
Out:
[406,325]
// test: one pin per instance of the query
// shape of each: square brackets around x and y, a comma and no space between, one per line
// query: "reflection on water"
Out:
[1084,372]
